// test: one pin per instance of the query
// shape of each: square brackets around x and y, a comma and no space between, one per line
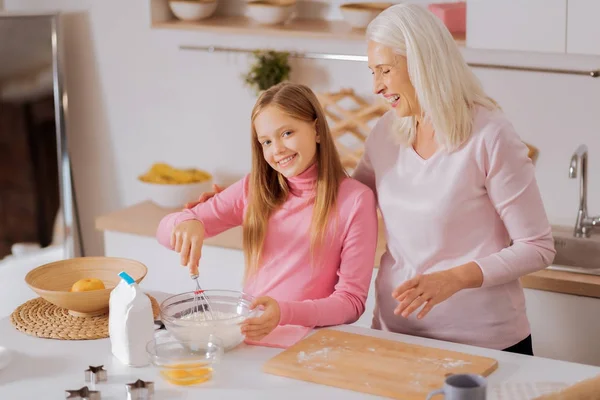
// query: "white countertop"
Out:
[45,368]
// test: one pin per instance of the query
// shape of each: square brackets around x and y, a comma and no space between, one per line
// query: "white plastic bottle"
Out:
[130,322]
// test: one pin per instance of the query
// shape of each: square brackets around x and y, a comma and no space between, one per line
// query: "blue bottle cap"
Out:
[126,277]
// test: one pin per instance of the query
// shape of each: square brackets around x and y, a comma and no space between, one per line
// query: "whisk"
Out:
[199,294]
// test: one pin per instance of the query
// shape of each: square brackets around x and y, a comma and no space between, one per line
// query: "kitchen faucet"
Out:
[584,223]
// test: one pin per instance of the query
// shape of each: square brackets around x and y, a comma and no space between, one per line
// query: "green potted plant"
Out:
[269,68]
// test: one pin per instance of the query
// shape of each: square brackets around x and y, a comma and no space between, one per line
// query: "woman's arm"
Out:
[347,303]
[512,189]
[223,211]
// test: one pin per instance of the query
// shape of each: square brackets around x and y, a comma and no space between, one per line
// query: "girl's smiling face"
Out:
[289,145]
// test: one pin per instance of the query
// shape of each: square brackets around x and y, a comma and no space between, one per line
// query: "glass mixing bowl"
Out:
[187,316]
[186,363]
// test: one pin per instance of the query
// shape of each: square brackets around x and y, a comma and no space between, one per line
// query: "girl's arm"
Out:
[223,211]
[347,303]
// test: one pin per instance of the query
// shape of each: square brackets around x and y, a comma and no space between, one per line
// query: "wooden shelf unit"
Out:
[307,28]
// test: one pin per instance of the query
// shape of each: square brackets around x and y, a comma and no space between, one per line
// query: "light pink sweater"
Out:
[332,292]
[451,209]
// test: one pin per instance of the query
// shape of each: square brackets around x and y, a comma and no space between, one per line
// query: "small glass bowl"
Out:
[186,363]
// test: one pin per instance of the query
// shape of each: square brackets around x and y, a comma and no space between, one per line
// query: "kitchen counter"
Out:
[143,218]
[44,368]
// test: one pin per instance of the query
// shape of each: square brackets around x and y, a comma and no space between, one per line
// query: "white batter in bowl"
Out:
[186,317]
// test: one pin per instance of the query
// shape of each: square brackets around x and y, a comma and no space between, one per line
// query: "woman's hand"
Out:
[187,239]
[259,327]
[205,196]
[428,290]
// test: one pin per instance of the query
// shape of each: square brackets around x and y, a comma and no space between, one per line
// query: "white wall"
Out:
[135,99]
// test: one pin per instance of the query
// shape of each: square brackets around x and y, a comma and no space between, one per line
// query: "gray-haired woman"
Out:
[463,214]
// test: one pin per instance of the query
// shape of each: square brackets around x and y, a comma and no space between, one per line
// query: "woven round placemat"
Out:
[39,317]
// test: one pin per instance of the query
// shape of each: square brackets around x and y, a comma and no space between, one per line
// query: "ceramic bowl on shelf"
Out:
[174,196]
[54,282]
[171,187]
[192,10]
[270,12]
[187,317]
[359,15]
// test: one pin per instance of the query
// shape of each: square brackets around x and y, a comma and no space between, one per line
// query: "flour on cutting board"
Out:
[445,363]
[323,356]
[325,340]
[323,353]
[316,359]
[416,380]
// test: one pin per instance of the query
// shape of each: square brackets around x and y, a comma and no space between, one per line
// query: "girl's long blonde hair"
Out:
[269,189]
[446,87]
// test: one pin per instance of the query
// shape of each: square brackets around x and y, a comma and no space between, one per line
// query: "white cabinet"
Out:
[531,25]
[563,326]
[583,27]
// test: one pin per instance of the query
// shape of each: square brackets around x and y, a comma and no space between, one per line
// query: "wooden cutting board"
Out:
[371,365]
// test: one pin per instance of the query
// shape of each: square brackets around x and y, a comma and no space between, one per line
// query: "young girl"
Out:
[309,231]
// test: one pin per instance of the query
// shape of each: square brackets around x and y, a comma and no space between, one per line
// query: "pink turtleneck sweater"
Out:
[332,292]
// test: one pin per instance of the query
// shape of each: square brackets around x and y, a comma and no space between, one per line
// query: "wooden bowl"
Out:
[53,282]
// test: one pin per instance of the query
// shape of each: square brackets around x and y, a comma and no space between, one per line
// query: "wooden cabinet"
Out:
[583,27]
[29,196]
[532,25]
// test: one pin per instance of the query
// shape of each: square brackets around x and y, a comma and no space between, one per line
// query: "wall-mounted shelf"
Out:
[307,28]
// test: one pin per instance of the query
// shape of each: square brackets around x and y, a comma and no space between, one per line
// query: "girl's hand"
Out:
[432,289]
[187,239]
[259,327]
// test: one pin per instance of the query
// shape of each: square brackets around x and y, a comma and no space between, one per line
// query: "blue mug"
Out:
[462,387]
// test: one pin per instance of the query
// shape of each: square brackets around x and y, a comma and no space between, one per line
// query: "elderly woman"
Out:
[463,214]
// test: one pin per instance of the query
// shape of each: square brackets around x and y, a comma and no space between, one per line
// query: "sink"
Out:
[573,254]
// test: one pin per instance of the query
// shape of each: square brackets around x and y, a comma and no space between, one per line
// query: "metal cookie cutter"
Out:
[83,394]
[140,390]
[95,374]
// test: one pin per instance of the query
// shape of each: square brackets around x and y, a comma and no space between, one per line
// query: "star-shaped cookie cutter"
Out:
[95,374]
[83,394]
[140,390]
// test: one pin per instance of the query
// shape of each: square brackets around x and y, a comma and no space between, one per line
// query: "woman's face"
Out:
[390,79]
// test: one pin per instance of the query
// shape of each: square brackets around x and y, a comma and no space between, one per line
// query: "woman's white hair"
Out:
[446,88]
